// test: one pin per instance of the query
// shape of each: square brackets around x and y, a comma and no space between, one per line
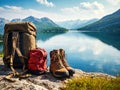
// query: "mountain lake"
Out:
[85,50]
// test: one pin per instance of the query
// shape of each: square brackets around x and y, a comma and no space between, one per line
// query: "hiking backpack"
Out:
[37,61]
[19,39]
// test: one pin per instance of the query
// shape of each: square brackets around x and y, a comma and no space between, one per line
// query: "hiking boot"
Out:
[64,61]
[56,66]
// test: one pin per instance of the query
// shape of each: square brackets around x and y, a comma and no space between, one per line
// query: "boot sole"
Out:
[59,76]
[71,72]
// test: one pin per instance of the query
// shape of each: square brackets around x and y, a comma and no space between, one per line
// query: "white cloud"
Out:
[45,2]
[1,8]
[81,49]
[114,2]
[10,12]
[86,5]
[71,10]
[98,47]
[94,5]
[85,10]
[13,7]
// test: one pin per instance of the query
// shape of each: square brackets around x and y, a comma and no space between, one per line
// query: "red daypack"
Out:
[37,63]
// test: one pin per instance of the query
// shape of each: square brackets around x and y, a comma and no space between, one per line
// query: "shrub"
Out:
[88,83]
[1,53]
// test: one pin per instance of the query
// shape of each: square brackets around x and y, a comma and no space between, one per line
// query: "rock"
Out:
[41,82]
[80,73]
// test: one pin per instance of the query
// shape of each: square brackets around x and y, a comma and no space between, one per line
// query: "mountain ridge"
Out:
[2,23]
[109,23]
[42,24]
[75,24]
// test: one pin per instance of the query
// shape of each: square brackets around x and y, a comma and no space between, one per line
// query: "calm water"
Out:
[83,52]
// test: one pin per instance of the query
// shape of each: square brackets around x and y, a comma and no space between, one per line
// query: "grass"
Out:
[88,83]
[1,54]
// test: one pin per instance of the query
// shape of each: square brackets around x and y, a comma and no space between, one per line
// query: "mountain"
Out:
[2,23]
[75,24]
[31,19]
[44,24]
[109,23]
[16,20]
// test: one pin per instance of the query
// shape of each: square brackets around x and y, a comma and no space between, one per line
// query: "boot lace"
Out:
[58,62]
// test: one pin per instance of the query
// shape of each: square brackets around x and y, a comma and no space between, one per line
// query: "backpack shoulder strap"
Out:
[5,49]
[15,46]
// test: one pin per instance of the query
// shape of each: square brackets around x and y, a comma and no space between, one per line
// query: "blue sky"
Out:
[58,10]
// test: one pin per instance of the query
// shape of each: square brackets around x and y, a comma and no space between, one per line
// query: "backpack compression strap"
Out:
[6,50]
[15,45]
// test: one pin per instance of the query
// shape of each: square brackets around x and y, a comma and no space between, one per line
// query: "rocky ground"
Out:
[41,82]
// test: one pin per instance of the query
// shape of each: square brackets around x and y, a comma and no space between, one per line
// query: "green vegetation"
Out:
[49,27]
[1,37]
[109,23]
[88,83]
[45,25]
[1,40]
[1,53]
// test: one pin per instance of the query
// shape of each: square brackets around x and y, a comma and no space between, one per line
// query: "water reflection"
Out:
[1,46]
[112,39]
[85,52]
[46,36]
